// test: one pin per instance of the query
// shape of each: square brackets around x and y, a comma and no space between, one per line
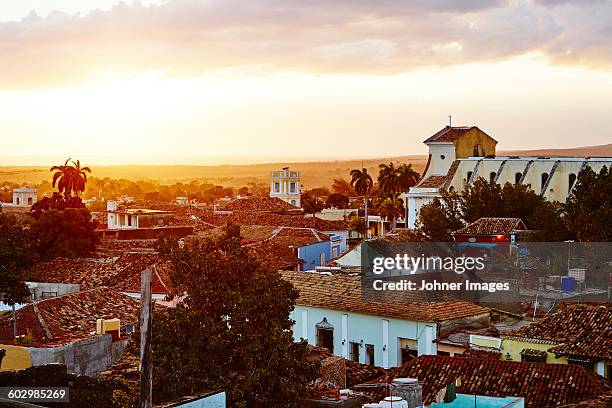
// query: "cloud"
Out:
[184,38]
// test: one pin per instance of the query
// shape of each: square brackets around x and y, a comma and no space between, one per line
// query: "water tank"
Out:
[568,284]
[409,390]
[393,402]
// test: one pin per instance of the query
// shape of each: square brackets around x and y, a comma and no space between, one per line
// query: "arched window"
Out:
[476,150]
[29,200]
[572,180]
[325,335]
[492,176]
[17,200]
[469,176]
[544,179]
[517,178]
[451,189]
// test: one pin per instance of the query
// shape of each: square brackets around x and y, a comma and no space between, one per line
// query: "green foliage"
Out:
[16,255]
[391,209]
[337,200]
[57,201]
[393,180]
[231,330]
[341,186]
[483,198]
[357,224]
[311,204]
[65,233]
[361,181]
[589,208]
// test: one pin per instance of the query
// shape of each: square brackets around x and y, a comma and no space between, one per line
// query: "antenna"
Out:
[450,120]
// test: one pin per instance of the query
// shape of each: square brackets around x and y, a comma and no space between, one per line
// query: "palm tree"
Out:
[406,177]
[391,209]
[362,183]
[70,178]
[387,178]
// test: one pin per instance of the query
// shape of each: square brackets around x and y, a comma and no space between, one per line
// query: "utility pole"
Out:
[146,366]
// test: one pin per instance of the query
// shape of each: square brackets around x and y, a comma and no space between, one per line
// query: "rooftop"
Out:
[492,226]
[121,274]
[343,292]
[67,318]
[578,330]
[449,134]
[273,219]
[258,204]
[542,385]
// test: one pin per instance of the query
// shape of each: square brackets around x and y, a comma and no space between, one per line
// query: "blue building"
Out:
[331,313]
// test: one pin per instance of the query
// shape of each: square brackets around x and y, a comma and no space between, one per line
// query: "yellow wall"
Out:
[16,358]
[464,146]
[514,347]
[484,342]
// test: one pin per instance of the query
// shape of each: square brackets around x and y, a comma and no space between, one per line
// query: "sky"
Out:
[246,81]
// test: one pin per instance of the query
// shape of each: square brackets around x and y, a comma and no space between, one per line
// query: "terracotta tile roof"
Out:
[603,401]
[64,319]
[277,220]
[343,292]
[492,226]
[579,330]
[433,182]
[482,353]
[258,204]
[122,274]
[533,352]
[449,134]
[542,385]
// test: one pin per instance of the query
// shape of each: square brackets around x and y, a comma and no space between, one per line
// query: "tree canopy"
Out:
[589,207]
[16,256]
[231,328]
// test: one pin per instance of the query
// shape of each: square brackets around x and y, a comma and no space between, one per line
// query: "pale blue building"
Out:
[330,313]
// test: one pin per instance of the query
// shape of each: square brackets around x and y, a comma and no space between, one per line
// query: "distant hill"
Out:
[314,174]
[589,151]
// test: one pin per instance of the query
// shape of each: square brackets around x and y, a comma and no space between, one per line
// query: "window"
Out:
[571,180]
[322,259]
[517,178]
[47,295]
[325,335]
[469,176]
[335,252]
[492,176]
[29,200]
[588,364]
[277,187]
[444,353]
[369,352]
[544,179]
[354,351]
[17,200]
[533,359]
[408,354]
[292,187]
[442,157]
[477,150]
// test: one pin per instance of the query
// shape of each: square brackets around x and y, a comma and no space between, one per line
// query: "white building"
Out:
[24,196]
[285,184]
[458,156]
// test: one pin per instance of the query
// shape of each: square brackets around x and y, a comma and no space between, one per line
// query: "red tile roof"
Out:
[258,204]
[433,182]
[482,353]
[542,385]
[449,134]
[579,330]
[278,220]
[122,274]
[342,292]
[67,318]
[492,226]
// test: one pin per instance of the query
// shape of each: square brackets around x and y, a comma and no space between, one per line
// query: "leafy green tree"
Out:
[337,200]
[362,182]
[70,179]
[387,178]
[589,208]
[438,219]
[16,256]
[391,209]
[482,199]
[311,204]
[231,328]
[341,186]
[66,233]
[406,177]
[57,201]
